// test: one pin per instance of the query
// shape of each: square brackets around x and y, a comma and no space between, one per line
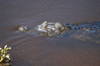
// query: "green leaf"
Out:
[5,47]
[2,51]
[8,48]
[1,59]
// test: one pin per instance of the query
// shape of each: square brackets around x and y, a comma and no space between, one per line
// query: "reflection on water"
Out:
[33,50]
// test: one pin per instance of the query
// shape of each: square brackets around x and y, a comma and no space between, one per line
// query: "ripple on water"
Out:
[29,50]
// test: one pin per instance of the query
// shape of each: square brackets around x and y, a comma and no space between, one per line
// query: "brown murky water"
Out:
[33,50]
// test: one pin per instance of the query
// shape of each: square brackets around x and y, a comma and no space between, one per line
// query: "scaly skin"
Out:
[85,32]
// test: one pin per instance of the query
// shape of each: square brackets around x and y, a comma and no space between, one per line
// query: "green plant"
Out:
[4,53]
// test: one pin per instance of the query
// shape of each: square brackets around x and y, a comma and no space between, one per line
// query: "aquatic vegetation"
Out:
[4,53]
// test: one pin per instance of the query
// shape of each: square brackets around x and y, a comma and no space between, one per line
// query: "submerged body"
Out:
[86,31]
[45,29]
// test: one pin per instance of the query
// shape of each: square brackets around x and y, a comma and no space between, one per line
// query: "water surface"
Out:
[34,50]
